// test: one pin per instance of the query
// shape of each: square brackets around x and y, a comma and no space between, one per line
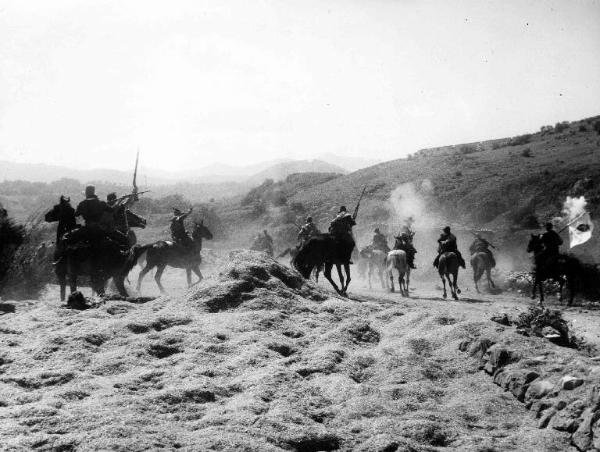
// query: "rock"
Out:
[478,348]
[502,319]
[546,417]
[516,381]
[567,419]
[595,370]
[569,382]
[539,406]
[539,389]
[498,357]
[551,334]
[78,301]
[582,438]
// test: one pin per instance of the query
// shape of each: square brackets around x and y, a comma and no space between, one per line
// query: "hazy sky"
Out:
[84,83]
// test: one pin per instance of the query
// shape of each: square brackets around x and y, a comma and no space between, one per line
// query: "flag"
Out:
[580,230]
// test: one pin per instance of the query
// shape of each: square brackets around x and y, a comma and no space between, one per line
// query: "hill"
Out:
[509,185]
[282,170]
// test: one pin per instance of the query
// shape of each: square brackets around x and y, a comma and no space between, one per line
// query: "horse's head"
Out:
[134,220]
[535,244]
[201,232]
[53,215]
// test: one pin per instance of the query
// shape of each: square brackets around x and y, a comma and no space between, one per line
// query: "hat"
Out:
[309,219]
[90,191]
[446,229]
[343,209]
[376,230]
[176,211]
[111,197]
[64,198]
[549,226]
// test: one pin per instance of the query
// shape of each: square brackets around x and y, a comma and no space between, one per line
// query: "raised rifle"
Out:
[354,215]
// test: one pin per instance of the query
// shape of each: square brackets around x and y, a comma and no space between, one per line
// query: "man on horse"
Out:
[178,232]
[404,242]
[551,241]
[481,245]
[341,229]
[447,243]
[64,213]
[380,241]
[93,212]
[307,231]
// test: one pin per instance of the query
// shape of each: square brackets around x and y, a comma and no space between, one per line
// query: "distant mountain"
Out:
[282,170]
[350,164]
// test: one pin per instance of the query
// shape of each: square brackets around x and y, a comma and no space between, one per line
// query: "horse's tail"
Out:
[137,254]
[302,260]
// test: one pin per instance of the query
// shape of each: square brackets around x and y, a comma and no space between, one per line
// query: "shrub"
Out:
[582,128]
[597,127]
[526,152]
[467,149]
[561,126]
[519,140]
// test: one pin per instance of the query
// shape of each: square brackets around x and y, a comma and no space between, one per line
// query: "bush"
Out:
[526,152]
[561,126]
[597,127]
[582,128]
[525,217]
[521,139]
[468,149]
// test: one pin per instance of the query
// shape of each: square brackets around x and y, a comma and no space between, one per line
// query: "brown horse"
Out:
[376,263]
[480,262]
[163,253]
[448,266]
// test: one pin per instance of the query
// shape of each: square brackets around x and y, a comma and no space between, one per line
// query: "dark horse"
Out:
[448,266]
[558,267]
[328,250]
[163,253]
[133,221]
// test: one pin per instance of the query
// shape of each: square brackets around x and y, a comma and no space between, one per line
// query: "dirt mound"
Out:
[255,280]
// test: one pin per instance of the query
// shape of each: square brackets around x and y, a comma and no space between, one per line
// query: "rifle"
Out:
[572,221]
[483,239]
[354,215]
[121,198]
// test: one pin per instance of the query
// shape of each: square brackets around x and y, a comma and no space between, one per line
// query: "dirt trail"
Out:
[278,369]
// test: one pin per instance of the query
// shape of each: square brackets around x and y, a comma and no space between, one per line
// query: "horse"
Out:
[293,252]
[100,262]
[448,266]
[133,221]
[328,250]
[164,253]
[480,262]
[561,268]
[396,259]
[376,262]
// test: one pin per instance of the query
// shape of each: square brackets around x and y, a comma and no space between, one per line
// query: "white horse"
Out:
[376,264]
[396,259]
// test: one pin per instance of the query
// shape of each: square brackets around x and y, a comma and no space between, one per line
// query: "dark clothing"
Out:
[342,224]
[481,245]
[92,210]
[447,243]
[408,248]
[552,242]
[66,220]
[380,242]
[178,233]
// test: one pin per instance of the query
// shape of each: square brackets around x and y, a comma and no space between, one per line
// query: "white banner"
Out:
[580,231]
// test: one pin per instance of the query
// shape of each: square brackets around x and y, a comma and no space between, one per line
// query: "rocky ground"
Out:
[255,358]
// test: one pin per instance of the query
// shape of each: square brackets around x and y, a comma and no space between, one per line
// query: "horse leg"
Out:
[120,283]
[391,276]
[561,284]
[188,275]
[401,283]
[198,273]
[444,282]
[145,270]
[407,281]
[491,284]
[541,286]
[454,286]
[338,267]
[157,275]
[347,270]
[369,275]
[327,274]
[476,278]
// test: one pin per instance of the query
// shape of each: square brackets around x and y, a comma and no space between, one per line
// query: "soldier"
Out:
[481,245]
[67,221]
[341,225]
[447,243]
[404,242]
[380,241]
[92,210]
[307,231]
[178,232]
[267,241]
[551,241]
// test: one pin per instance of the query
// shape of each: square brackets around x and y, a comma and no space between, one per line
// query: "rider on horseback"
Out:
[307,231]
[341,229]
[178,232]
[551,241]
[447,243]
[404,242]
[380,241]
[481,245]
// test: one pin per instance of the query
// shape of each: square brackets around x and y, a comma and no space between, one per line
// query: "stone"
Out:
[582,438]
[502,319]
[546,417]
[478,348]
[498,357]
[569,382]
[539,389]
[539,406]
[567,419]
